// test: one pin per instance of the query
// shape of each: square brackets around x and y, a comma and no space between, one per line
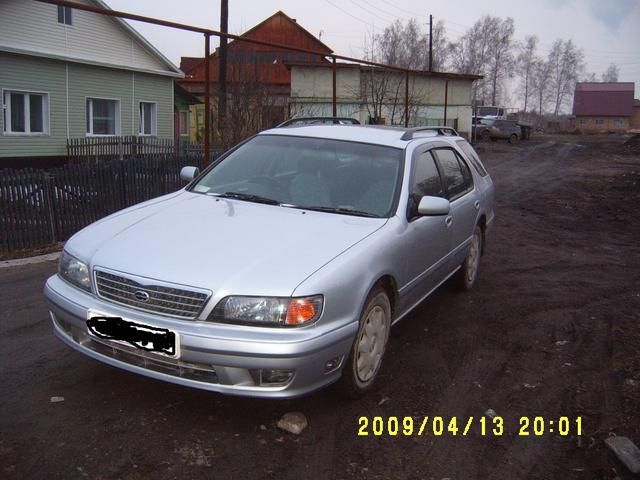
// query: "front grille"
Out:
[162,299]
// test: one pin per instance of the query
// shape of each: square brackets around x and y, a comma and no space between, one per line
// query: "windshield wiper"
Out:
[342,210]
[249,197]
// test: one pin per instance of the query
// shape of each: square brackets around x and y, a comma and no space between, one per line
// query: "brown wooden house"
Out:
[258,79]
[603,106]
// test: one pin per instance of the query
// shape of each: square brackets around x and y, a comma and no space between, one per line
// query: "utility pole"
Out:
[222,70]
[207,100]
[430,42]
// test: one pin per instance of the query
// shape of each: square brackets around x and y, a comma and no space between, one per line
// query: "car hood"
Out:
[220,244]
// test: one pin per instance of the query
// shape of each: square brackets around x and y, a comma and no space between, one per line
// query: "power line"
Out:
[369,11]
[379,9]
[415,14]
[347,13]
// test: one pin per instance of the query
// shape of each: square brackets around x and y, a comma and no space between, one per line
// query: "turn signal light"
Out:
[301,310]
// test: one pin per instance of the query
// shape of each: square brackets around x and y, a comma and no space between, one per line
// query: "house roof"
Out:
[152,50]
[278,28]
[189,63]
[605,87]
[604,99]
[252,31]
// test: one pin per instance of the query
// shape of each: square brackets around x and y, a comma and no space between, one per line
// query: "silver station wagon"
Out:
[280,268]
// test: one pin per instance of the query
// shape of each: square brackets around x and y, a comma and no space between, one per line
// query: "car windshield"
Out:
[312,173]
[482,111]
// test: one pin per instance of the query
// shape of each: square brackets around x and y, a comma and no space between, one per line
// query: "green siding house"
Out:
[71,74]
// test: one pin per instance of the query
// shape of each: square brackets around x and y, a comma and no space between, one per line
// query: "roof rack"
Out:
[318,121]
[443,131]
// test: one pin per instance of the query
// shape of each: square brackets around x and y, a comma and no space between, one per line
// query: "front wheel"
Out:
[513,139]
[468,272]
[365,359]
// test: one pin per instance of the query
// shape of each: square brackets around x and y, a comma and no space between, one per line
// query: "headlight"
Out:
[268,311]
[74,271]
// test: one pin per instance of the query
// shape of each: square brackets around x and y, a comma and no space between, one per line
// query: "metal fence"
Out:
[43,207]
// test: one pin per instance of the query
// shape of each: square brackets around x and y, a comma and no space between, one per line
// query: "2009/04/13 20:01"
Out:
[438,426]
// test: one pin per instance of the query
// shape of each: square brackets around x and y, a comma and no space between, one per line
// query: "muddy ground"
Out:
[552,329]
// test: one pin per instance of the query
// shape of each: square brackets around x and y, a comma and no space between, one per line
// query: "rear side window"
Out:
[473,157]
[455,172]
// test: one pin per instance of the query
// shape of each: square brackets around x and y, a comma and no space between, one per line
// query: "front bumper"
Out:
[220,358]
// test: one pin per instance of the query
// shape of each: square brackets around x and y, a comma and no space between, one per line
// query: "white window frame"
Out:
[154,119]
[6,108]
[64,16]
[117,119]
[180,112]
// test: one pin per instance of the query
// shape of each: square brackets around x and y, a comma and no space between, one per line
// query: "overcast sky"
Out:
[606,30]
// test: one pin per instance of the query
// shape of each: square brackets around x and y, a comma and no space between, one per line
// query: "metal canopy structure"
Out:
[207,50]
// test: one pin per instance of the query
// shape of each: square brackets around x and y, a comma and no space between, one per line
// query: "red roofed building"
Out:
[248,62]
[635,118]
[604,106]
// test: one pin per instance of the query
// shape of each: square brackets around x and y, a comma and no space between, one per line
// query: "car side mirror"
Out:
[433,206]
[189,173]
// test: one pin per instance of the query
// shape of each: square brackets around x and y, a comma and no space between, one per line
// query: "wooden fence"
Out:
[42,207]
[104,149]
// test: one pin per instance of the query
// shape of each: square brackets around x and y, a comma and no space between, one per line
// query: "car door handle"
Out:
[448,221]
[477,204]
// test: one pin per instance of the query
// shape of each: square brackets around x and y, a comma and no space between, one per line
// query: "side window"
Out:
[457,176]
[472,156]
[426,180]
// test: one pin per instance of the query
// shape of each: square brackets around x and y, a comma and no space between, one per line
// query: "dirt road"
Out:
[552,330]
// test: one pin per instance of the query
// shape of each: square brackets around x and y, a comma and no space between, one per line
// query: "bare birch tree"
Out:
[566,63]
[407,45]
[383,91]
[501,57]
[611,74]
[440,47]
[540,84]
[526,63]
[486,49]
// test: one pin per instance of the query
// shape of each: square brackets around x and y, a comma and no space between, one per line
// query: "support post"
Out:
[207,100]
[222,71]
[446,95]
[333,71]
[406,99]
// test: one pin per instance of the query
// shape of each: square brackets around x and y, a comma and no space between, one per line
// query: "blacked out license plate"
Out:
[145,337]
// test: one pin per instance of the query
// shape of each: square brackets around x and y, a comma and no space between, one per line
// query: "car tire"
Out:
[466,276]
[365,359]
[513,139]
[485,136]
